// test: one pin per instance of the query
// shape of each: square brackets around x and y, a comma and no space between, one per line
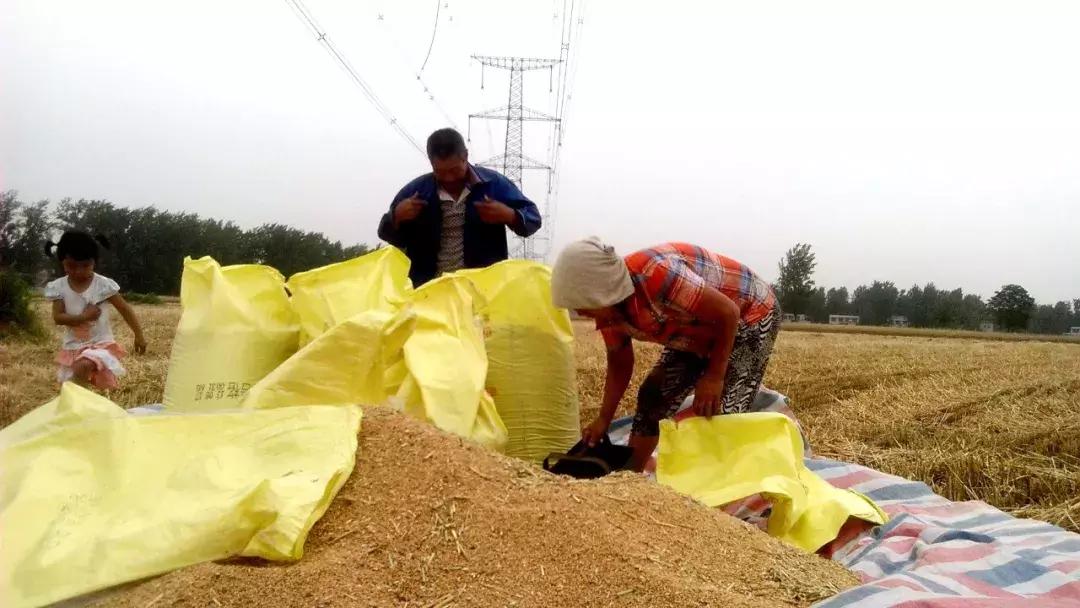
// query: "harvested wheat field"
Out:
[993,421]
[430,520]
[28,374]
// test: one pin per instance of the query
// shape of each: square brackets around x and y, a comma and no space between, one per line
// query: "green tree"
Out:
[1048,319]
[972,312]
[909,302]
[9,204]
[148,245]
[16,307]
[948,308]
[929,305]
[836,302]
[1012,307]
[34,225]
[876,303]
[817,309]
[796,282]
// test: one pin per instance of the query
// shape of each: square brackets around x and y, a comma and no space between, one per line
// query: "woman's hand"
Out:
[593,433]
[707,395]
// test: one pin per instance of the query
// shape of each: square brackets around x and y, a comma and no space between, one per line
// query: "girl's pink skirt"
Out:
[106,359]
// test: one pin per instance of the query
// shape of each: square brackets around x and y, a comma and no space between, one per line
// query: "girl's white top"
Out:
[100,289]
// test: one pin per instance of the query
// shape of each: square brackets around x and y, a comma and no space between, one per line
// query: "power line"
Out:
[431,45]
[570,40]
[419,78]
[320,35]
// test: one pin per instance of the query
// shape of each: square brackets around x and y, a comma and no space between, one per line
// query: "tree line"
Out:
[148,245]
[1011,308]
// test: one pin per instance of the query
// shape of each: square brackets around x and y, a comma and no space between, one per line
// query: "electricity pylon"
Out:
[512,162]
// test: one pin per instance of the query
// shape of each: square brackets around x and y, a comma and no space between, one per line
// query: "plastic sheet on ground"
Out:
[936,553]
[530,350]
[359,362]
[236,327]
[447,364]
[91,497]
[727,458]
[327,296]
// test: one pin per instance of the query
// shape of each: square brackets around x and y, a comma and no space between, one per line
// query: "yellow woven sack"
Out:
[359,361]
[727,458]
[326,296]
[93,500]
[530,349]
[446,364]
[237,325]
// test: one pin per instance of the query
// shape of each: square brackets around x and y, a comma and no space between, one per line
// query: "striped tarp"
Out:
[935,552]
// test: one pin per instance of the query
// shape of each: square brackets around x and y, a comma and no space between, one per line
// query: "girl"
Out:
[82,300]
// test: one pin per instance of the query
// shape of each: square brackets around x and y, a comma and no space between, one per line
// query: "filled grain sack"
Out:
[236,326]
[530,349]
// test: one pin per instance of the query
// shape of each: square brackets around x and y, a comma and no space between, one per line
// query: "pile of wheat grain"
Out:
[430,520]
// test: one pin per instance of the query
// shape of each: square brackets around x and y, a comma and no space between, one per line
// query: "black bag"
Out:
[583,462]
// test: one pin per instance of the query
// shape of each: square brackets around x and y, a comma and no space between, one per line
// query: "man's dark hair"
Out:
[445,143]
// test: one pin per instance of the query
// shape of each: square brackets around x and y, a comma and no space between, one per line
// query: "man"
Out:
[456,216]
[716,318]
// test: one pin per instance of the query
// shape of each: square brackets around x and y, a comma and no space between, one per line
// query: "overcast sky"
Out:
[906,140]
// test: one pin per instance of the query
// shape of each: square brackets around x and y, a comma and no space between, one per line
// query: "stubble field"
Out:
[992,420]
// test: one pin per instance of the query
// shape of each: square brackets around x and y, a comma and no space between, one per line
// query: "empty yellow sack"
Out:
[93,500]
[326,296]
[359,361]
[237,325]
[727,458]
[446,363]
[530,350]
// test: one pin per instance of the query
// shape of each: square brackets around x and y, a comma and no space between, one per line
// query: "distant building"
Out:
[801,318]
[789,318]
[1074,331]
[843,319]
[793,318]
[986,326]
[898,321]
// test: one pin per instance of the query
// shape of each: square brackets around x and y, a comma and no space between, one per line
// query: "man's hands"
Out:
[593,433]
[140,344]
[408,209]
[492,211]
[707,395]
